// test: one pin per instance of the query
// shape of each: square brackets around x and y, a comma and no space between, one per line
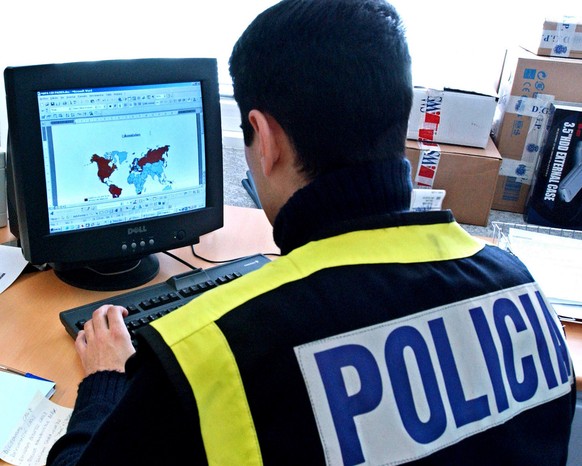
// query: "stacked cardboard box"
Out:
[467,174]
[529,84]
[559,37]
[451,116]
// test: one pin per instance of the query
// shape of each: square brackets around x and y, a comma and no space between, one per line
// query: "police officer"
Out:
[382,336]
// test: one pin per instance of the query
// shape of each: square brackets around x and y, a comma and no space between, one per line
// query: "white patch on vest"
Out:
[401,390]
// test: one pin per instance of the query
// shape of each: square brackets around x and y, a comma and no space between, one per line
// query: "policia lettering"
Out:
[500,332]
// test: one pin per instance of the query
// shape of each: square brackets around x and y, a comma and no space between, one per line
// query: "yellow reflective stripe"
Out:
[408,244]
[204,353]
[226,424]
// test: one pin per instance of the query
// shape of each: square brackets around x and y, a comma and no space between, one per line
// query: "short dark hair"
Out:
[335,74]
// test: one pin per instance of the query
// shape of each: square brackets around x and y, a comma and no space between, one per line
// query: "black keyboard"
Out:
[150,303]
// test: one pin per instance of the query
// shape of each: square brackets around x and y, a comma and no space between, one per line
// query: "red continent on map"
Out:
[105,167]
[153,155]
[115,191]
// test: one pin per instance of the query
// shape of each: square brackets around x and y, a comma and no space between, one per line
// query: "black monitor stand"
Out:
[112,276]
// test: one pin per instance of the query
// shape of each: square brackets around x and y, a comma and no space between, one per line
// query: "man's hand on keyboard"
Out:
[104,343]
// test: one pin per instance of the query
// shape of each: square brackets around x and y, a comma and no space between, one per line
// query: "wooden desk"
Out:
[5,235]
[32,337]
[574,340]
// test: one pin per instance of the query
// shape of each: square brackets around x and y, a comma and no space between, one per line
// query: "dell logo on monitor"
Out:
[133,231]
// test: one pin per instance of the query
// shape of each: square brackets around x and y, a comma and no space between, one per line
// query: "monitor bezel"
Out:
[103,244]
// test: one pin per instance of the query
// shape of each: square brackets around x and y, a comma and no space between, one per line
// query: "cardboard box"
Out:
[529,84]
[451,116]
[559,37]
[556,196]
[467,174]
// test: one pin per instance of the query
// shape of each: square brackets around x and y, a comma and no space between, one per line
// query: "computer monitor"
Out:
[112,161]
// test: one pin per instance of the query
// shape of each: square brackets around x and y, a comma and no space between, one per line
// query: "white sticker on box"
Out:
[560,41]
[423,200]
[428,162]
[537,130]
[431,107]
[529,106]
[522,171]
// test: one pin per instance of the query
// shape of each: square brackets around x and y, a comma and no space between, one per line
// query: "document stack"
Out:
[554,258]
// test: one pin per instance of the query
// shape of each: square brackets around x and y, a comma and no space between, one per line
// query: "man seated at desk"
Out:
[382,336]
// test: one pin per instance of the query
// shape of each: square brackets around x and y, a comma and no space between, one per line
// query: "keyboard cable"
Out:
[211,261]
[186,263]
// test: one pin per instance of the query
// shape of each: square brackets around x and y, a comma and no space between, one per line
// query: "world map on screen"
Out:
[147,168]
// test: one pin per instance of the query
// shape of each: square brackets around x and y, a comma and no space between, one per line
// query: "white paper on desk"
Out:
[42,425]
[16,394]
[554,261]
[569,312]
[12,263]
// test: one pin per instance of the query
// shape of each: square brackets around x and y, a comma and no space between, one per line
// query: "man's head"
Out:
[333,74]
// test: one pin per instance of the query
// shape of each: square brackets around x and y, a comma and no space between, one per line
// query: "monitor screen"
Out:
[122,154]
[112,161]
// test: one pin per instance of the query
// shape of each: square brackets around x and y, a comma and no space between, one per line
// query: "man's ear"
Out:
[266,131]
